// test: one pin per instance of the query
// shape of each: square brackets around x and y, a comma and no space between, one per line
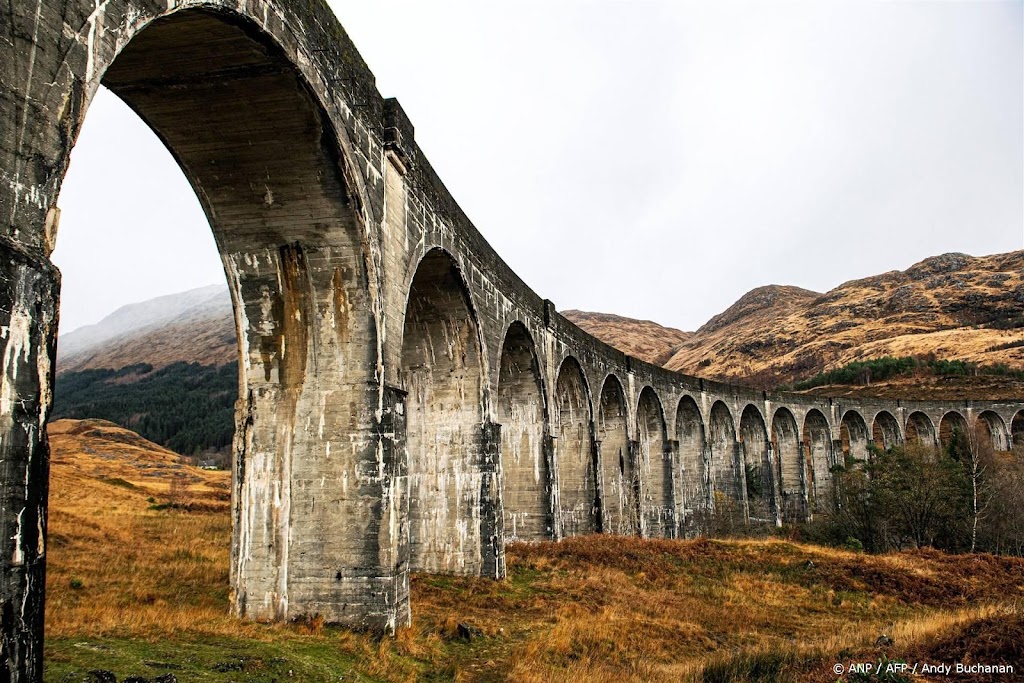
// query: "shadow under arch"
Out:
[579,505]
[619,487]
[817,439]
[693,465]
[992,430]
[854,436]
[953,425]
[526,471]
[448,467]
[758,477]
[920,430]
[655,465]
[885,431]
[725,465]
[792,473]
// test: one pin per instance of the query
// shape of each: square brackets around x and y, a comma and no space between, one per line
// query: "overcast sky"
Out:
[651,159]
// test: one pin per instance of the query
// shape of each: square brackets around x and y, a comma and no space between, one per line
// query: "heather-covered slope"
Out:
[951,307]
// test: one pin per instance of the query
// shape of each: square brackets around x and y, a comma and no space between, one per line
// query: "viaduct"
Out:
[406,402]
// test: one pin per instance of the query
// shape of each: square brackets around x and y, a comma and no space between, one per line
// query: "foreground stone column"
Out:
[492,535]
[28,328]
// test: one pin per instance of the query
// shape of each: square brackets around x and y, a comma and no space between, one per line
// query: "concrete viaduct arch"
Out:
[405,400]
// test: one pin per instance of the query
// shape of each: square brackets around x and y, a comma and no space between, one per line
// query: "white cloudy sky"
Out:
[652,159]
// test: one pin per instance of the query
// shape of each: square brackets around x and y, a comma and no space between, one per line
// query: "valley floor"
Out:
[138,586]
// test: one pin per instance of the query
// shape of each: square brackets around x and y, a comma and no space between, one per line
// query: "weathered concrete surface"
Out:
[405,400]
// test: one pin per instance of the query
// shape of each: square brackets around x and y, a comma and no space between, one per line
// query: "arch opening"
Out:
[757,474]
[725,465]
[442,375]
[854,436]
[791,471]
[693,464]
[1017,430]
[817,438]
[526,486]
[577,475]
[952,426]
[991,431]
[885,431]
[920,429]
[619,493]
[655,465]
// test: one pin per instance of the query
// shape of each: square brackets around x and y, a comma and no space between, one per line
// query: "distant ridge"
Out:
[643,339]
[953,307]
[191,326]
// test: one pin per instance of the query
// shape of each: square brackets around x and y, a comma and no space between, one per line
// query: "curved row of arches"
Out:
[531,466]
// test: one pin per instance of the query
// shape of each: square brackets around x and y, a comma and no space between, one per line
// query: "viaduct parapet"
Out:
[406,402]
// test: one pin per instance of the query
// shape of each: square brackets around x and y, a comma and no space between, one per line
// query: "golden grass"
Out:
[596,608]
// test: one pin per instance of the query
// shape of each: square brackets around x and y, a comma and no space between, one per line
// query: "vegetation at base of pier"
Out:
[138,586]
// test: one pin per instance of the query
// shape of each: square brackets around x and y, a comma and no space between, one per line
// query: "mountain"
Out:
[953,306]
[166,368]
[948,307]
[193,326]
[643,339]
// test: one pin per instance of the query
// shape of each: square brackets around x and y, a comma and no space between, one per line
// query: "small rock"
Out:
[102,676]
[467,632]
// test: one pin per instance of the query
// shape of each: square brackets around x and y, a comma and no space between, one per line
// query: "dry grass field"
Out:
[138,586]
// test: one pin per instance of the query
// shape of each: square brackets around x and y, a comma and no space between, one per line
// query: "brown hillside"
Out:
[951,306]
[643,339]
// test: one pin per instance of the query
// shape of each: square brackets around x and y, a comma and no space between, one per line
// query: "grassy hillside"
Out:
[138,586]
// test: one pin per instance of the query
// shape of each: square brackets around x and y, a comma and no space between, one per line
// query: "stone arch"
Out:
[950,423]
[285,206]
[692,461]
[920,429]
[885,431]
[955,437]
[854,436]
[655,465]
[992,430]
[791,471]
[1017,430]
[725,465]
[526,485]
[577,475]
[817,438]
[442,373]
[757,470]
[619,496]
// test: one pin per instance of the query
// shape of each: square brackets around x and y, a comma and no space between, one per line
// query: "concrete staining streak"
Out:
[18,335]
